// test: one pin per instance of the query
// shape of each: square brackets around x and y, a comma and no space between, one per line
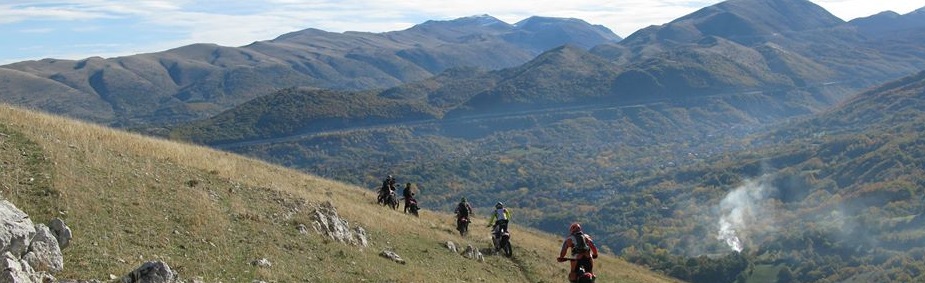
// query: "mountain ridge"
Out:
[200,80]
[711,65]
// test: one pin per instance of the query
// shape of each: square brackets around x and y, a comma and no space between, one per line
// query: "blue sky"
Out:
[76,29]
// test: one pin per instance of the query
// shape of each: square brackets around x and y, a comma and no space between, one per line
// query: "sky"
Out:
[77,29]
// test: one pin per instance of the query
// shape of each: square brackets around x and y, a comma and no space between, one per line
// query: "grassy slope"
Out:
[207,213]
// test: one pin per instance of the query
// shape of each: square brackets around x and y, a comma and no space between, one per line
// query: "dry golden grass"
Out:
[209,214]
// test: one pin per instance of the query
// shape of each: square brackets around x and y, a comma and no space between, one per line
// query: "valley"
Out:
[749,141]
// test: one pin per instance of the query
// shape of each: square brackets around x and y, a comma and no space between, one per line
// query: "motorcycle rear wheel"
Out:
[506,248]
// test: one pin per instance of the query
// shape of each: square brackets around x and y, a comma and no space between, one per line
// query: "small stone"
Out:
[151,272]
[263,262]
[392,256]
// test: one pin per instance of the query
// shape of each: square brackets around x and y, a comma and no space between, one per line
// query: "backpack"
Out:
[579,243]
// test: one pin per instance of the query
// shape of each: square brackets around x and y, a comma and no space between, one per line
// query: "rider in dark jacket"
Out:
[408,194]
[388,186]
[463,209]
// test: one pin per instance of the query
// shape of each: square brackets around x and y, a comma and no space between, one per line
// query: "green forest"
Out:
[840,205]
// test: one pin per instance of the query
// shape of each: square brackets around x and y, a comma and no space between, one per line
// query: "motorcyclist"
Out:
[583,251]
[462,215]
[463,209]
[500,217]
[388,186]
[408,195]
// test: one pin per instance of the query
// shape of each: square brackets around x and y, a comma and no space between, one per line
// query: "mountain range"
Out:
[787,48]
[807,123]
[200,80]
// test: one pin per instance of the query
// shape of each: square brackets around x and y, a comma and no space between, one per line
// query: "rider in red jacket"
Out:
[583,251]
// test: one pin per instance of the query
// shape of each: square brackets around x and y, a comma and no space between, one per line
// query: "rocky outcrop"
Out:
[470,252]
[44,253]
[263,262]
[61,231]
[328,223]
[17,231]
[14,270]
[29,252]
[152,272]
[392,256]
[473,253]
[360,235]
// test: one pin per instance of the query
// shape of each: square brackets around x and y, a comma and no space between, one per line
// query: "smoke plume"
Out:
[744,213]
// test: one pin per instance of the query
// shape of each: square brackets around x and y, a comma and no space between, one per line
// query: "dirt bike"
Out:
[391,200]
[502,236]
[412,205]
[462,225]
[381,197]
[581,275]
[388,199]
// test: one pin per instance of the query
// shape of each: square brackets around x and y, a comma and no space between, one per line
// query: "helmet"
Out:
[499,205]
[463,199]
[574,228]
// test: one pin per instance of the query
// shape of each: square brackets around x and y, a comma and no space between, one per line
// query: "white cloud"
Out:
[10,14]
[851,9]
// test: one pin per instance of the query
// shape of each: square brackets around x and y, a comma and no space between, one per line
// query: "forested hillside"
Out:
[837,198]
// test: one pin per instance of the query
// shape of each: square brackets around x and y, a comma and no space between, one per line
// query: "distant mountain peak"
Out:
[535,20]
[309,32]
[886,14]
[742,20]
[888,23]
[558,31]
[779,15]
[483,20]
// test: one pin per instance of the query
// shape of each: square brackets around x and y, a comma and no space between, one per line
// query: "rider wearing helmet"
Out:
[583,252]
[388,186]
[500,217]
[408,195]
[463,209]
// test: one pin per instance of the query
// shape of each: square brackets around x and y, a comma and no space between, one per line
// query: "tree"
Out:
[785,275]
[680,272]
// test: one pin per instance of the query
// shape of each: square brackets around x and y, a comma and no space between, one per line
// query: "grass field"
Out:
[209,214]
